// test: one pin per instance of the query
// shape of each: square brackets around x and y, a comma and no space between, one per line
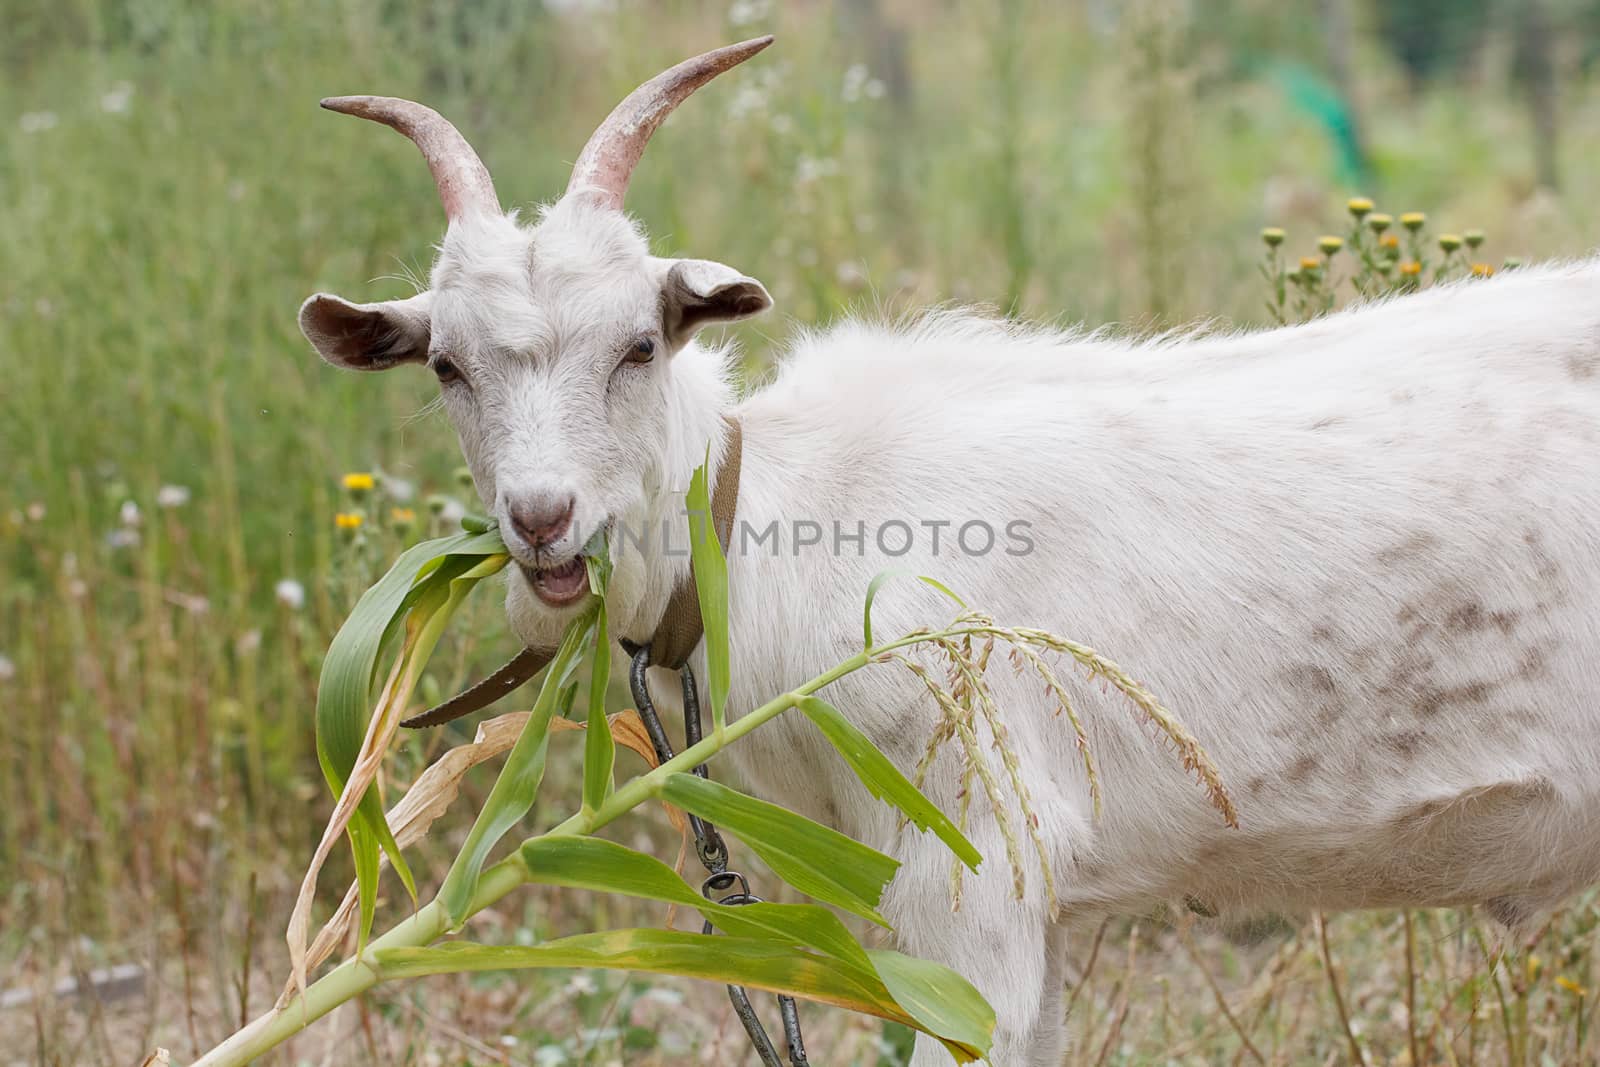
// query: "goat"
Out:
[1358,558]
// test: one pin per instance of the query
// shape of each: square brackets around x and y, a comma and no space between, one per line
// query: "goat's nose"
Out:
[542,518]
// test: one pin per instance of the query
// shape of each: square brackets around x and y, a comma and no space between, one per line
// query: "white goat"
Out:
[1358,558]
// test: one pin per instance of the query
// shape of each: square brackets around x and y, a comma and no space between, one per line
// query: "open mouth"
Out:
[558,584]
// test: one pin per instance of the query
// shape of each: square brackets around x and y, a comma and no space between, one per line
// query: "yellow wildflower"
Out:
[1449,242]
[1389,241]
[1413,220]
[1533,965]
[1482,270]
[1359,206]
[1330,244]
[1570,986]
[403,518]
[359,481]
[1380,222]
[1310,263]
[1411,268]
[1273,236]
[348,520]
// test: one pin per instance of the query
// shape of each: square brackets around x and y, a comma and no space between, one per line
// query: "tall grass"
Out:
[169,192]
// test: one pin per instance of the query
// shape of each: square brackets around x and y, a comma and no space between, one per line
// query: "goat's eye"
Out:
[642,350]
[446,371]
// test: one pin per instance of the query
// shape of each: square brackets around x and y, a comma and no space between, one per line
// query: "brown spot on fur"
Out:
[1322,631]
[1406,743]
[1255,785]
[1310,676]
[1506,621]
[1324,423]
[1431,700]
[1302,768]
[1582,368]
[1467,619]
[1531,665]
[1418,544]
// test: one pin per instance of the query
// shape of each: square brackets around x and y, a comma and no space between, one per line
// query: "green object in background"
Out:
[1311,95]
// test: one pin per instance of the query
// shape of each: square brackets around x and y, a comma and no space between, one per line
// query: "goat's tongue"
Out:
[565,582]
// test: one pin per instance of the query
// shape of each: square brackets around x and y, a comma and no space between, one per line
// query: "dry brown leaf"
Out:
[429,796]
[380,732]
[159,1058]
[437,788]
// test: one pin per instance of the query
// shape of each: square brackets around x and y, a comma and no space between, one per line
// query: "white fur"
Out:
[1359,559]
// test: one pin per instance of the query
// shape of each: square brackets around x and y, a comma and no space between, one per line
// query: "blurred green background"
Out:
[172,449]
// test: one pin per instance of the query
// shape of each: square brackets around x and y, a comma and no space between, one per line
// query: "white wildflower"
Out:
[172,496]
[38,121]
[812,168]
[582,984]
[127,537]
[747,100]
[36,511]
[115,100]
[550,1056]
[129,514]
[452,511]
[851,276]
[398,489]
[290,593]
[744,12]
[855,78]
[8,669]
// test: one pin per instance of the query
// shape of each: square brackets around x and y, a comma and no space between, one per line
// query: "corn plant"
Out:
[803,950]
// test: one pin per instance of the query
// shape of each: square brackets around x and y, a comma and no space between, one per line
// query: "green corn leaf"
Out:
[711,581]
[346,689]
[599,750]
[946,1005]
[598,865]
[884,780]
[820,862]
[514,791]
[941,1002]
[878,581]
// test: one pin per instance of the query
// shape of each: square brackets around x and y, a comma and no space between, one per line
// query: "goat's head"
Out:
[560,346]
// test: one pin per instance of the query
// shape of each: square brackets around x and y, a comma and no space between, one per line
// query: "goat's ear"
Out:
[367,336]
[698,291]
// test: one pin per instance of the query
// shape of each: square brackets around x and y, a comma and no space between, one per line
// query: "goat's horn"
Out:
[607,161]
[463,181]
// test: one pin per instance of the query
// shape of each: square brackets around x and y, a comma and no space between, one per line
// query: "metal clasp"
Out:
[713,853]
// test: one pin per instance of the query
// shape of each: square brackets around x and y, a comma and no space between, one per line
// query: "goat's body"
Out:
[1358,559]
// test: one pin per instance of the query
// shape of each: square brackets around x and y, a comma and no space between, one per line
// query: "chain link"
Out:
[713,853]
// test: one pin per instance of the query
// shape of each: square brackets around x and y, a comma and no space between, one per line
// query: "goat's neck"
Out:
[699,400]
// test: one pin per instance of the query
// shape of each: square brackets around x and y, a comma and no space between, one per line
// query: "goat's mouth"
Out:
[558,584]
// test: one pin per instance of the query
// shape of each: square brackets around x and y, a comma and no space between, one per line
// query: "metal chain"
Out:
[713,853]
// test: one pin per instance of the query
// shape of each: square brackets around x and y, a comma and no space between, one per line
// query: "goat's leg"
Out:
[1003,946]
